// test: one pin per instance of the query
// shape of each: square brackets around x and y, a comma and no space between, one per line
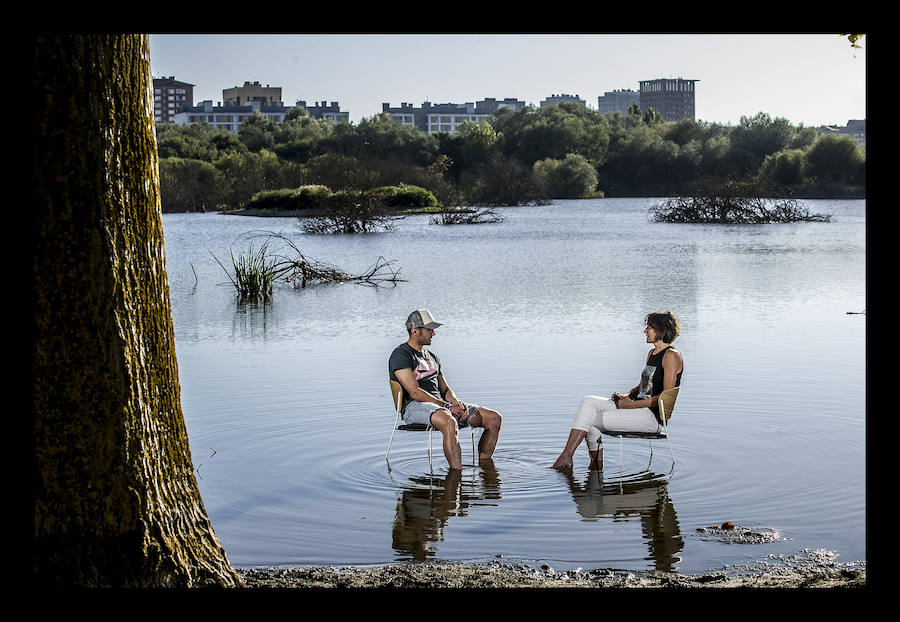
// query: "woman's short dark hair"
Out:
[665,324]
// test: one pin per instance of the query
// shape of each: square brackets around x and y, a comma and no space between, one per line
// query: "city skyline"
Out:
[809,79]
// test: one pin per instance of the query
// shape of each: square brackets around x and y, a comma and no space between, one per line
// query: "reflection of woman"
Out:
[637,410]
[648,499]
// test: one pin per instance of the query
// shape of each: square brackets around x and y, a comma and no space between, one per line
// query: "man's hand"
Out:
[458,409]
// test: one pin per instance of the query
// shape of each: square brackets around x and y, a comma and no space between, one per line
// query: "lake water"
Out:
[289,412]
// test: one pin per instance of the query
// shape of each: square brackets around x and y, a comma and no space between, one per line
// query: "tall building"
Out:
[434,118]
[252,92]
[673,98]
[169,97]
[617,101]
[558,99]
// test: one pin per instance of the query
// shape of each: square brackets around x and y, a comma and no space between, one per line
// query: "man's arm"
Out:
[457,408]
[408,382]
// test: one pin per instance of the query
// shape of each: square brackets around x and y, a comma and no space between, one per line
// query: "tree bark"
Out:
[116,502]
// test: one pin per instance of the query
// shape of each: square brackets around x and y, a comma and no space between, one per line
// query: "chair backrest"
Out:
[397,394]
[667,401]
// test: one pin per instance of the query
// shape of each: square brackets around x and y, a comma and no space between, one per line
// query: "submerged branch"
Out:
[466,216]
[733,203]
[290,265]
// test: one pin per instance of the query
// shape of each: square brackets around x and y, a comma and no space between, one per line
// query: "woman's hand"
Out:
[625,402]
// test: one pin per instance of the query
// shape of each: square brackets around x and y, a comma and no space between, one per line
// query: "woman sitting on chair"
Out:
[637,410]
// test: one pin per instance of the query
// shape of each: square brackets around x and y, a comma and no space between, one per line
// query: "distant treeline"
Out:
[519,157]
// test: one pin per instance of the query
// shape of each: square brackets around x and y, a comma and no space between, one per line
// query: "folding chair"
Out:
[397,394]
[666,406]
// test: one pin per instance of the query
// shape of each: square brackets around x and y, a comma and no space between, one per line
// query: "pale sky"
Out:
[809,79]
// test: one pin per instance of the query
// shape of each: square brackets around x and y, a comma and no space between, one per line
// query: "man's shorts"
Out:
[420,412]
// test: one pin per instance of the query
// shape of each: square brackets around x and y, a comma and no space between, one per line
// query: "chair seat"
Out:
[416,427]
[650,435]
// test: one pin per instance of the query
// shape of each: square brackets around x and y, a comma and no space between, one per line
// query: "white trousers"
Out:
[599,414]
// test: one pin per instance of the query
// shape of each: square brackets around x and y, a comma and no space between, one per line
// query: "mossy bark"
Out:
[116,502]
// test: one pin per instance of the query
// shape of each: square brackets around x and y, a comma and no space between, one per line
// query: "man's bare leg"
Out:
[443,421]
[491,421]
[565,458]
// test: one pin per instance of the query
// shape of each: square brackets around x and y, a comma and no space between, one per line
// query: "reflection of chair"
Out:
[666,406]
[397,394]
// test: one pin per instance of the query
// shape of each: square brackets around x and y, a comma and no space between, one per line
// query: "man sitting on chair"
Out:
[428,399]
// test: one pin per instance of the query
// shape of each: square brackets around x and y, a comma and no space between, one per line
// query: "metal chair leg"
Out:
[390,442]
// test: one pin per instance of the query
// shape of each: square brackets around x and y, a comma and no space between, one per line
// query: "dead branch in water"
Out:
[292,266]
[466,216]
[734,203]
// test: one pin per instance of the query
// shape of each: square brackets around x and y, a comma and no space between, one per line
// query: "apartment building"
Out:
[855,128]
[252,92]
[228,117]
[564,97]
[169,97]
[331,111]
[673,98]
[617,101]
[433,118]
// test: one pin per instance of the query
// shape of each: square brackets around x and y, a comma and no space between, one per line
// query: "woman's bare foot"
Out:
[565,458]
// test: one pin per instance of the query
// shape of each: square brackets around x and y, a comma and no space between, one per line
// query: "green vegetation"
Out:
[253,274]
[318,197]
[520,157]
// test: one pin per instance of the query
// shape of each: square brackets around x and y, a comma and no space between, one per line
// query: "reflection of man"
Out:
[428,399]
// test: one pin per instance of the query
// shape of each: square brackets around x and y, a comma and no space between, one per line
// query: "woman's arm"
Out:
[672,364]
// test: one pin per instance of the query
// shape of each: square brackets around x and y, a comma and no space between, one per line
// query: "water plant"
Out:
[253,274]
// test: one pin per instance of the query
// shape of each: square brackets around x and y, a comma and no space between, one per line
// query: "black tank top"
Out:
[652,378]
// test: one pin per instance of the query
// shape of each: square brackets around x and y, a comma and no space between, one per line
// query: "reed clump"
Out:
[252,274]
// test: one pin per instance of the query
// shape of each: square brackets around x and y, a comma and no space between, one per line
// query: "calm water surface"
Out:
[289,414]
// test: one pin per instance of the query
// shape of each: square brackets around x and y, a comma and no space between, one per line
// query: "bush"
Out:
[349,211]
[570,178]
[405,196]
[188,185]
[282,199]
[304,197]
[310,197]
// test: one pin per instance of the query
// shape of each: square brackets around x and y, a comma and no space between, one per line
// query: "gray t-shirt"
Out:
[425,365]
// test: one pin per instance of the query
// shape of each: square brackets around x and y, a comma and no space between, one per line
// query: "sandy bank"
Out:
[503,576]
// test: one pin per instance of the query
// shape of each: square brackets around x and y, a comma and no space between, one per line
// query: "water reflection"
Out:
[251,318]
[646,498]
[426,504]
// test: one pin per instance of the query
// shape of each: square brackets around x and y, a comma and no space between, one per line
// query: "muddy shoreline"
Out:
[449,575]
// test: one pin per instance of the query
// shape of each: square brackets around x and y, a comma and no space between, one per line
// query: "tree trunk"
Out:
[116,502]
